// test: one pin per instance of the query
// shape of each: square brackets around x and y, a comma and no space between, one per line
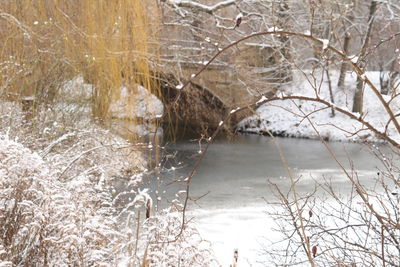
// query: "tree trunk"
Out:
[346,45]
[328,76]
[343,67]
[358,95]
[285,74]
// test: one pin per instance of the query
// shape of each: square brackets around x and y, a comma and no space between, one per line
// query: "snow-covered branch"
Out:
[201,7]
[12,19]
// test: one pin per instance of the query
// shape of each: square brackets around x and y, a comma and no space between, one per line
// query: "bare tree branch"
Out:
[199,6]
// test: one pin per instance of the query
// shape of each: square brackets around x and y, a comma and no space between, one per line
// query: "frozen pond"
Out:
[234,179]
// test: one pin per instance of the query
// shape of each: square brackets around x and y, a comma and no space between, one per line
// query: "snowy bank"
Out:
[293,118]
[133,111]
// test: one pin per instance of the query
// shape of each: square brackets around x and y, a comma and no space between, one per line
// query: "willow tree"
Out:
[44,43]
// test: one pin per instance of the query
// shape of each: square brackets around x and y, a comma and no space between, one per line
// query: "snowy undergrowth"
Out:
[287,117]
[45,221]
[72,143]
[160,242]
[57,203]
[62,222]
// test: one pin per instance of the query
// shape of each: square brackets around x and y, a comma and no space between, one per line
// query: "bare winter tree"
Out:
[203,27]
[359,230]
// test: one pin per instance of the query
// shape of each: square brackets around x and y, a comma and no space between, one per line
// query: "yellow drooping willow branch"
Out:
[117,43]
[48,42]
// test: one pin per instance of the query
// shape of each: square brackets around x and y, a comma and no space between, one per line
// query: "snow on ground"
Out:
[127,106]
[134,104]
[286,117]
[137,103]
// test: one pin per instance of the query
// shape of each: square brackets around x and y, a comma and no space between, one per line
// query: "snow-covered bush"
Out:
[46,222]
[66,136]
[160,241]
[188,250]
[62,222]
[21,216]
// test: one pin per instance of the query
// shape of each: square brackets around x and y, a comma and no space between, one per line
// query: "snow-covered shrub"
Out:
[95,152]
[160,240]
[73,222]
[21,197]
[188,250]
[46,222]
[72,142]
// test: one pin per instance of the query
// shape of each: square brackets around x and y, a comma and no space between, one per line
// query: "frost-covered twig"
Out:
[18,23]
[56,142]
[200,7]
[89,151]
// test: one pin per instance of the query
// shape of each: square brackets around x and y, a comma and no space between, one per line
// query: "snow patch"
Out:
[274,29]
[135,103]
[354,59]
[325,44]
[262,99]
[234,110]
